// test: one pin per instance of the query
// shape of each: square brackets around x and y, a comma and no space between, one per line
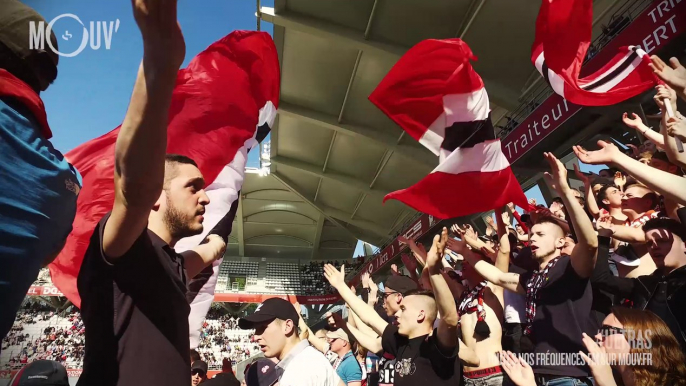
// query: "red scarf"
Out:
[11,86]
[537,280]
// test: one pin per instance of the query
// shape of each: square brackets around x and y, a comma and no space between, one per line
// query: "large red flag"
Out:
[563,37]
[218,102]
[435,95]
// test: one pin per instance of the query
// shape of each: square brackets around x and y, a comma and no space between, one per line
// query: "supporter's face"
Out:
[409,315]
[613,198]
[633,201]
[271,337]
[662,165]
[568,246]
[391,301]
[183,201]
[337,344]
[545,239]
[519,229]
[647,146]
[646,161]
[196,377]
[596,188]
[667,249]
[614,342]
[605,173]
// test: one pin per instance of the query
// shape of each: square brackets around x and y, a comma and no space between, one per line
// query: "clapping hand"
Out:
[635,122]
[581,176]
[435,254]
[620,180]
[597,360]
[517,369]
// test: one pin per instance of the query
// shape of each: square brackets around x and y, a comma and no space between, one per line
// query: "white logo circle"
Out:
[84,40]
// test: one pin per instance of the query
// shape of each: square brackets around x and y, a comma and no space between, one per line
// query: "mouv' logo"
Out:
[98,32]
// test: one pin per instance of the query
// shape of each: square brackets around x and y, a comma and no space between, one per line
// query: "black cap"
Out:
[400,284]
[263,373]
[199,365]
[41,373]
[270,309]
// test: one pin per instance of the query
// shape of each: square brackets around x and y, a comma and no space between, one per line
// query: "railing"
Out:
[621,19]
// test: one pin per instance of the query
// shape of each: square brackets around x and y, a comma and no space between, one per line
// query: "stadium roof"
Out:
[333,154]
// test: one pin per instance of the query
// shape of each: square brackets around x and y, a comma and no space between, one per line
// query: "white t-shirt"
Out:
[309,367]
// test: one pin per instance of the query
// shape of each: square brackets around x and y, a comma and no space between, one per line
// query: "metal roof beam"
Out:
[364,224]
[290,186]
[318,236]
[337,177]
[328,31]
[416,152]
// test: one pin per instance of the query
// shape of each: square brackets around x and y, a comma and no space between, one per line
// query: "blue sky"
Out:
[92,90]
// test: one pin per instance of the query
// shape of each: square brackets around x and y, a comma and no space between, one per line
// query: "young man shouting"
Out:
[559,296]
[424,355]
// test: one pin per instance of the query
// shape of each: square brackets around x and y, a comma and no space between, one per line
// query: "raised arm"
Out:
[667,184]
[366,313]
[502,260]
[602,277]
[591,203]
[584,254]
[507,280]
[623,233]
[368,340]
[142,140]
[447,327]
[670,146]
[196,259]
[636,123]
[673,74]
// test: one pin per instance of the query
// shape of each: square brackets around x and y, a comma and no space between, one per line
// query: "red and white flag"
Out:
[435,95]
[563,37]
[223,104]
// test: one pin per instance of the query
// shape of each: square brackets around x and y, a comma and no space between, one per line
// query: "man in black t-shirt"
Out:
[132,283]
[559,296]
[424,355]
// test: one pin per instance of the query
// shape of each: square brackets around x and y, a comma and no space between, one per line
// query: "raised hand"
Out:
[162,38]
[673,74]
[557,178]
[581,176]
[506,218]
[335,277]
[604,221]
[607,154]
[365,280]
[620,180]
[459,246]
[511,207]
[676,128]
[635,122]
[517,369]
[435,254]
[665,92]
[532,201]
[217,242]
[598,361]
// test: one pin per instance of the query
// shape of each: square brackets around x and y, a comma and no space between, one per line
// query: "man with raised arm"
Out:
[132,283]
[559,296]
[424,355]
[481,313]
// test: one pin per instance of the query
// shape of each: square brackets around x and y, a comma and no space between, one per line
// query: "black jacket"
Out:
[641,290]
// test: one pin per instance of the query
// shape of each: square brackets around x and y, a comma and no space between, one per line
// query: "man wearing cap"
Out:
[394,288]
[198,372]
[275,322]
[346,366]
[41,373]
[39,187]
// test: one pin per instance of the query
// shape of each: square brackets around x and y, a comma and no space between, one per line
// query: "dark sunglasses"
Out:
[606,330]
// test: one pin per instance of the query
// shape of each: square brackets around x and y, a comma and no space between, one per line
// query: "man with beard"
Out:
[132,283]
[559,297]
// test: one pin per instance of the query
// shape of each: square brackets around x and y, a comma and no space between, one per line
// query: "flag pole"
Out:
[670,114]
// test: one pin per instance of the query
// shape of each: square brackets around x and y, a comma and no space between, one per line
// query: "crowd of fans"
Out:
[60,338]
[221,338]
[311,280]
